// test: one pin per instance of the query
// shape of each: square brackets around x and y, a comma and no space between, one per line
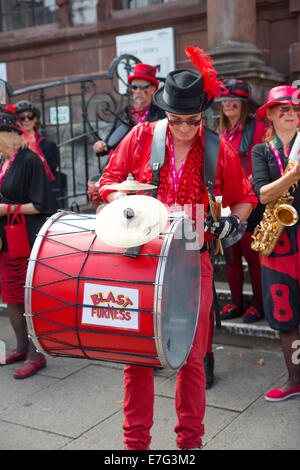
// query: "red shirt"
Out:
[133,156]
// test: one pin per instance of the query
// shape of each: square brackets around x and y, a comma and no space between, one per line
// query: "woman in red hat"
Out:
[280,270]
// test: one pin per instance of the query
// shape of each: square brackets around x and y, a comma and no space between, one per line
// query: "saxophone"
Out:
[278,214]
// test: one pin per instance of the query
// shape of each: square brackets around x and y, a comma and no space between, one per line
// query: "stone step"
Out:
[259,329]
[236,327]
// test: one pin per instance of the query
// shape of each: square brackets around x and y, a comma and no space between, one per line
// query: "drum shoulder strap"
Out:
[158,149]
[211,155]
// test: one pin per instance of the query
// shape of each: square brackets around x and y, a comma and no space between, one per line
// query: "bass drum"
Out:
[87,299]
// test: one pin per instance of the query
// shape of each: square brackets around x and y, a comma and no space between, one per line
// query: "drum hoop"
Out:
[157,307]
[29,278]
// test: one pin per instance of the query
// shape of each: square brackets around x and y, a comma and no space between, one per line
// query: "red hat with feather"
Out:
[189,91]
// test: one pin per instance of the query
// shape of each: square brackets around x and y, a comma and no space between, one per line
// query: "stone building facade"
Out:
[258,40]
[55,41]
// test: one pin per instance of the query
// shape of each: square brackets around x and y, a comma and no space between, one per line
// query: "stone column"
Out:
[231,26]
[63,13]
[104,9]
[231,20]
[295,47]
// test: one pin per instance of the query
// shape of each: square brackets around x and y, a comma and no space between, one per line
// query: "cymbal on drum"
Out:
[131,221]
[130,184]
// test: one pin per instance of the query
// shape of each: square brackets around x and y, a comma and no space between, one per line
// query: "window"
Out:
[16,14]
[142,3]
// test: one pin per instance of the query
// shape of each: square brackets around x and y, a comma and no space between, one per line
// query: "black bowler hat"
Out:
[190,91]
[183,93]
[8,124]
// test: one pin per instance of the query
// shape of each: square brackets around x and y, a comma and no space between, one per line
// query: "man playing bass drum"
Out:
[186,95]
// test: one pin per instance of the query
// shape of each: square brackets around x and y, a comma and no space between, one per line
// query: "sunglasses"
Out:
[29,116]
[189,122]
[142,87]
[286,109]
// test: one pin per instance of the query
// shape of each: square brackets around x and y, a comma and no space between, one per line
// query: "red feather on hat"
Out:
[201,61]
[10,107]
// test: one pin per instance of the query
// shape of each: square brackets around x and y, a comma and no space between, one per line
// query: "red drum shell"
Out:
[86,299]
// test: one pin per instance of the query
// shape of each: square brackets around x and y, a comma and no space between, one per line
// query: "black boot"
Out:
[209,369]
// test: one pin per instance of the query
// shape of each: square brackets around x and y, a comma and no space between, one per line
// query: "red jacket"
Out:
[133,156]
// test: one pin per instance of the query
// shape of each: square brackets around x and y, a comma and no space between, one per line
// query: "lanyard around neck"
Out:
[277,156]
[276,153]
[176,175]
[229,135]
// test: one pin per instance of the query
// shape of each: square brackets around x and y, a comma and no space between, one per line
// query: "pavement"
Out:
[76,404]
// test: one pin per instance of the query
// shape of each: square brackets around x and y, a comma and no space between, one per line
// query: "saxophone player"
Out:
[280,270]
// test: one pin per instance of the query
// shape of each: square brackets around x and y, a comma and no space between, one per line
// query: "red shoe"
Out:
[229,312]
[13,356]
[251,315]
[29,368]
[279,395]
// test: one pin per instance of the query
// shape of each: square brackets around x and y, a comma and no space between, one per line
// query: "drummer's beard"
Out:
[139,102]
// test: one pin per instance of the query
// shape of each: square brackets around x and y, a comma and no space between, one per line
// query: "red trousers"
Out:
[190,385]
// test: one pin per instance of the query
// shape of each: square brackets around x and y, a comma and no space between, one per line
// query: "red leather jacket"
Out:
[133,156]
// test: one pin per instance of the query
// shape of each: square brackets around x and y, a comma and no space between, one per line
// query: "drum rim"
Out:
[29,277]
[157,323]
[160,273]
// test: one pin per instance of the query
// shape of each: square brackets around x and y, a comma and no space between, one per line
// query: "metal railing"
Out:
[76,113]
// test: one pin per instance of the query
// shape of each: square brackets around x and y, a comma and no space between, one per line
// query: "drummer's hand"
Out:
[223,228]
[114,196]
[100,146]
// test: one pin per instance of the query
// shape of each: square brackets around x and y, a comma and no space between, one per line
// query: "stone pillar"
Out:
[231,26]
[104,9]
[231,20]
[63,13]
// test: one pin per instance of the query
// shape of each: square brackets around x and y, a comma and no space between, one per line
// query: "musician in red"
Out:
[280,270]
[185,96]
[142,84]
